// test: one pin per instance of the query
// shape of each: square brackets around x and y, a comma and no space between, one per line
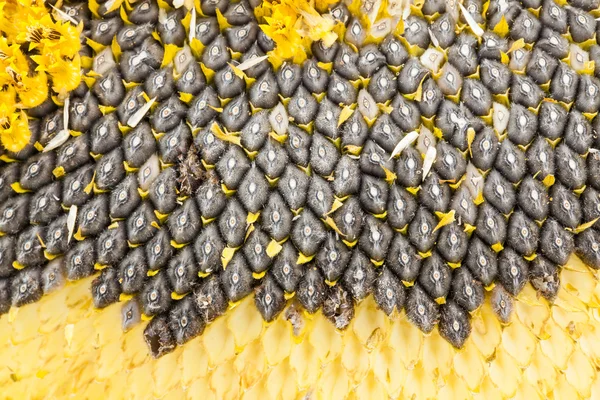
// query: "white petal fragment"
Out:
[372,9]
[71,218]
[193,25]
[429,160]
[395,7]
[434,39]
[500,117]
[162,15]
[104,61]
[179,4]
[472,23]
[57,140]
[579,57]
[148,172]
[381,28]
[426,140]
[404,143]
[251,62]
[474,181]
[109,5]
[279,119]
[64,16]
[66,107]
[406,11]
[183,59]
[367,105]
[432,59]
[452,9]
[135,119]
[64,134]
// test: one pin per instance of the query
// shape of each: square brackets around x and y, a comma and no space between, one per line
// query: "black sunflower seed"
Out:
[553,43]
[208,248]
[13,214]
[582,25]
[132,271]
[435,194]
[255,251]
[421,310]
[571,168]
[25,287]
[513,271]
[466,291]
[37,171]
[232,167]
[232,223]
[106,288]
[544,277]
[185,321]
[298,145]
[158,337]
[556,243]
[311,290]
[290,75]
[533,199]
[511,162]
[210,299]
[482,261]
[183,271]
[359,277]
[421,230]
[29,247]
[541,66]
[276,217]
[314,78]
[443,30]
[565,207]
[333,257]
[463,54]
[80,260]
[579,135]
[320,196]
[269,299]
[564,83]
[264,92]
[324,53]
[236,279]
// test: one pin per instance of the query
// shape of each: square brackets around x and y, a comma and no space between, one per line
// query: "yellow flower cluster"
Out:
[36,51]
[294,24]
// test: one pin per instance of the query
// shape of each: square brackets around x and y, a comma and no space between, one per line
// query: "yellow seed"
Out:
[388,368]
[325,340]
[370,324]
[281,382]
[518,341]
[277,341]
[563,390]
[541,372]
[355,358]
[505,373]
[407,341]
[194,360]
[200,390]
[486,331]
[580,373]
[333,382]
[251,363]
[437,356]
[468,365]
[558,347]
[419,384]
[218,342]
